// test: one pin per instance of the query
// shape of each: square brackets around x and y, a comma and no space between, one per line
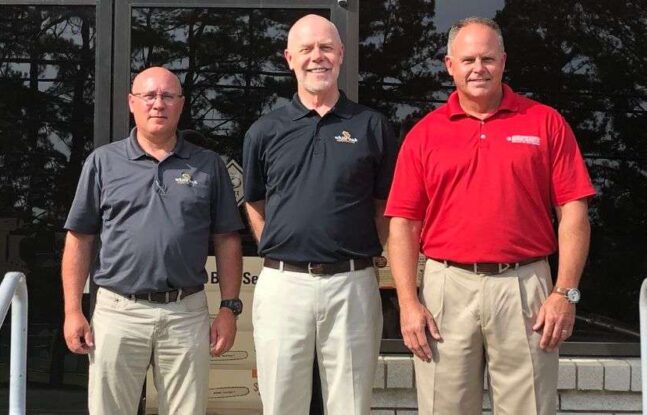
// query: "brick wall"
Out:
[587,386]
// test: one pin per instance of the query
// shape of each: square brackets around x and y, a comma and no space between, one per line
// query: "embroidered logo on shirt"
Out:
[525,139]
[186,179]
[345,137]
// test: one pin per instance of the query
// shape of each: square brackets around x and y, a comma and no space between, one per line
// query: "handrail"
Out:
[13,292]
[643,341]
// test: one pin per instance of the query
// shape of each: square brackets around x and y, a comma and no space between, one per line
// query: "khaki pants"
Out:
[339,316]
[131,335]
[486,321]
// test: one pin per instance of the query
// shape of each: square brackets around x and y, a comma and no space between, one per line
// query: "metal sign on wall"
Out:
[236,176]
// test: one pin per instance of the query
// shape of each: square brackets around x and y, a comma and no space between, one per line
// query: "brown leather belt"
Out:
[319,269]
[163,297]
[490,268]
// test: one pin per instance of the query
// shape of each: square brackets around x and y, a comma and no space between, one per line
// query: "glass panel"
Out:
[589,63]
[231,65]
[46,125]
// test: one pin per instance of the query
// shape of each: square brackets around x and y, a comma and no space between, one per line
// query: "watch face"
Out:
[573,295]
[236,306]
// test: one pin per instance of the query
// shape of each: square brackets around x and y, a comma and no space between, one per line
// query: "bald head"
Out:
[156,74]
[309,23]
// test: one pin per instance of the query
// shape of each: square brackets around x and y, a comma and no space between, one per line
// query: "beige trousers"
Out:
[340,317]
[130,336]
[486,322]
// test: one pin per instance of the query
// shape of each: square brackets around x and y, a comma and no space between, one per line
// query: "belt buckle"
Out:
[316,269]
[478,269]
[503,268]
[151,297]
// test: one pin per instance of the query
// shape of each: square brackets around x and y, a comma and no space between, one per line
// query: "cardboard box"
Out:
[231,391]
[242,354]
[231,411]
[385,277]
[234,388]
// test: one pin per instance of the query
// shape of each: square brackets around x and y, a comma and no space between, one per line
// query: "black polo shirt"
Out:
[319,177]
[154,219]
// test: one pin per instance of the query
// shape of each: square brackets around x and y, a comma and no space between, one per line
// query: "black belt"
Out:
[163,297]
[489,267]
[319,269]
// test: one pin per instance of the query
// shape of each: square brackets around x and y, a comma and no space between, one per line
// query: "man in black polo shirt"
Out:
[153,200]
[316,173]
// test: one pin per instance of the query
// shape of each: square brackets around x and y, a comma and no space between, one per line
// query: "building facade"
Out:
[65,71]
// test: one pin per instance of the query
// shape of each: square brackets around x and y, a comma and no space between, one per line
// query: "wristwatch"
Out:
[234,304]
[571,294]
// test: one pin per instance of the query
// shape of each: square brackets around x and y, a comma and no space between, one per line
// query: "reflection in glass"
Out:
[46,124]
[589,63]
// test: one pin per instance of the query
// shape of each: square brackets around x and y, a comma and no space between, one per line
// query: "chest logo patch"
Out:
[185,179]
[524,139]
[345,137]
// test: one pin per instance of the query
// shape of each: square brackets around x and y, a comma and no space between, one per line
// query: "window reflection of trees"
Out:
[46,122]
[230,62]
[401,60]
[588,60]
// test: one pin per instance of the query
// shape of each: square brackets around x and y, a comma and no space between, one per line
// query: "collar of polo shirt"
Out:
[508,103]
[341,108]
[134,151]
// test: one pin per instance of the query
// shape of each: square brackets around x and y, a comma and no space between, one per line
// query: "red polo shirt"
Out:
[484,189]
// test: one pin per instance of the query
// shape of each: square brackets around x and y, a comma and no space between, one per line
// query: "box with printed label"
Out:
[252,266]
[231,411]
[385,277]
[228,389]
[234,389]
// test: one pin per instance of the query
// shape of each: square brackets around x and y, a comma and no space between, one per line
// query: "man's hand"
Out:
[415,319]
[78,335]
[557,318]
[223,332]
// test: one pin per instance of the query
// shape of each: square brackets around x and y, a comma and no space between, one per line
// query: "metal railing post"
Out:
[13,292]
[643,342]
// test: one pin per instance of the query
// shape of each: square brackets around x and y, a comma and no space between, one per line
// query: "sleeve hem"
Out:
[571,198]
[404,215]
[81,229]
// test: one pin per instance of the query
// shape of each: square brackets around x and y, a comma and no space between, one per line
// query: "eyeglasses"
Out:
[149,98]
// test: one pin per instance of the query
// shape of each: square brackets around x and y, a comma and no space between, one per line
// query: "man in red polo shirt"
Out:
[475,186]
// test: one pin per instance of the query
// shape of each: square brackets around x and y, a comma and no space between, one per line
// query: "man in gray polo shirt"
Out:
[150,203]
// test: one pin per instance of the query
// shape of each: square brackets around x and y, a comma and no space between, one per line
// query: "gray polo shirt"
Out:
[154,219]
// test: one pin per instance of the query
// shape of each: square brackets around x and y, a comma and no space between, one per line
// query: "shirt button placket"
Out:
[318,144]
[160,188]
[482,134]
